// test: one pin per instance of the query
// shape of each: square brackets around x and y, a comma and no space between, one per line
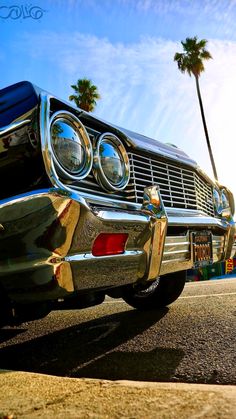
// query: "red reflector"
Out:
[109,244]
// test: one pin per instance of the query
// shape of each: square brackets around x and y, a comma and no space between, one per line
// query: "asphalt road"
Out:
[192,341]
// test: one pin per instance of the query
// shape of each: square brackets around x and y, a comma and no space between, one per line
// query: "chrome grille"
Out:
[180,187]
[90,186]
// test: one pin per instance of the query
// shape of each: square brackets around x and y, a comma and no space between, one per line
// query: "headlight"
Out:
[72,150]
[224,199]
[227,202]
[217,201]
[111,163]
[223,202]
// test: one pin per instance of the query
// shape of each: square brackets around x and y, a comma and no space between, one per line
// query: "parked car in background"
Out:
[88,209]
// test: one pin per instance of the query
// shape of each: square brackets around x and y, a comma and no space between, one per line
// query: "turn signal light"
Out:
[109,244]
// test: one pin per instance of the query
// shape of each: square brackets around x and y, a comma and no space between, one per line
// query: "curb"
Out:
[30,395]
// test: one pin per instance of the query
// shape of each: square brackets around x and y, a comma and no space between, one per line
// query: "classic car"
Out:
[89,209]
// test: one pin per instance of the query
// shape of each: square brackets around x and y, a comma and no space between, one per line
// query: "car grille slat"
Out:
[179,187]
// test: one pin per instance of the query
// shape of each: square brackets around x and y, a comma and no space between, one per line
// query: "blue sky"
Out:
[126,47]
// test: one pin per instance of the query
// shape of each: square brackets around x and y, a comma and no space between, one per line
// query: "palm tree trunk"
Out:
[205,129]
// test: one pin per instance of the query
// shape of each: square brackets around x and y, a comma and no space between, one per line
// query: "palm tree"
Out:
[86,94]
[191,61]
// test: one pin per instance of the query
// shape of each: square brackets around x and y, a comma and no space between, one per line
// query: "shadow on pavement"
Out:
[94,349]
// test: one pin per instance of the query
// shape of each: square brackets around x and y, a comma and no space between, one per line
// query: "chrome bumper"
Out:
[177,253]
[46,241]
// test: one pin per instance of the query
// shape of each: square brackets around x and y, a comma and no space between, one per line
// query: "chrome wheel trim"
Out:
[149,290]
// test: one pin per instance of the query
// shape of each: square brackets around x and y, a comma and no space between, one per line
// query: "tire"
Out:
[162,292]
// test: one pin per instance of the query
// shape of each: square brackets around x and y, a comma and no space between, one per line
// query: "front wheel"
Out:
[160,293]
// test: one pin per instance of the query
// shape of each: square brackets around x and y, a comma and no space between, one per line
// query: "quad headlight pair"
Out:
[73,153]
[223,202]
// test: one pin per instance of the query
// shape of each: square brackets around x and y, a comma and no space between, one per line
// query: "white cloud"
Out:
[217,9]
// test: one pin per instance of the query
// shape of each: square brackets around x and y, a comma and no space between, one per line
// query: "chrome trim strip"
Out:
[176,252]
[88,256]
[97,199]
[121,216]
[18,198]
[42,192]
[192,222]
[13,126]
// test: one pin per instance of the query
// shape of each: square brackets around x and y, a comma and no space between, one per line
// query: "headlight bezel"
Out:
[225,206]
[98,168]
[217,200]
[73,122]
[231,204]
[224,199]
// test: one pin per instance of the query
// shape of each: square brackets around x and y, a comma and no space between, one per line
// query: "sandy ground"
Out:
[29,395]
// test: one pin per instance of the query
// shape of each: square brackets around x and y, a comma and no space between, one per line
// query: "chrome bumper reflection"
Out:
[177,254]
[46,241]
[47,238]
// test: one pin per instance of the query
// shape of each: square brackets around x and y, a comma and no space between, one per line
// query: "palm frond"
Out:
[191,60]
[86,94]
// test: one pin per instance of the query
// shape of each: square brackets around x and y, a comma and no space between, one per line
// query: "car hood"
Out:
[151,145]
